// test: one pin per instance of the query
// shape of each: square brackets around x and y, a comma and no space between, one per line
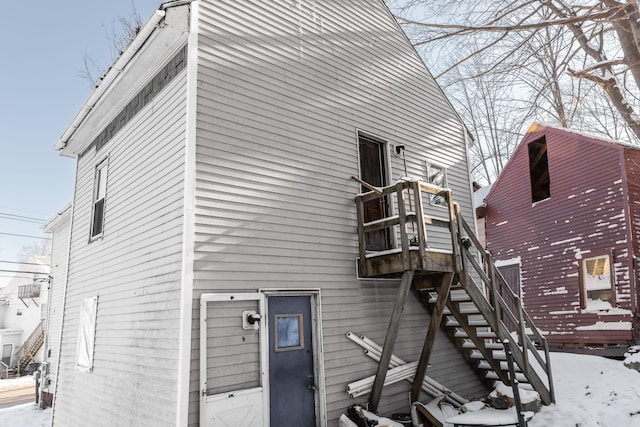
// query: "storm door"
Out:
[233,361]
[373,171]
[292,382]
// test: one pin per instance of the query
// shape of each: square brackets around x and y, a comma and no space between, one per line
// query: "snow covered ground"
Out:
[591,391]
[25,415]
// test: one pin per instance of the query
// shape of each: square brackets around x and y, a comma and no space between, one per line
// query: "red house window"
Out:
[597,283]
[539,170]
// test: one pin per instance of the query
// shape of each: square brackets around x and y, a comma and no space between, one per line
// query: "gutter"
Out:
[111,76]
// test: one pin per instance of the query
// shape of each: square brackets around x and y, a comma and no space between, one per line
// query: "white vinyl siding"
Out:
[59,253]
[135,269]
[282,92]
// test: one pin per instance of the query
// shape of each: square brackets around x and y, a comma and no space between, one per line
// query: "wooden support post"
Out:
[390,340]
[434,325]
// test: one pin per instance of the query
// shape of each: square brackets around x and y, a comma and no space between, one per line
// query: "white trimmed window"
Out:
[597,283]
[437,175]
[87,333]
[99,195]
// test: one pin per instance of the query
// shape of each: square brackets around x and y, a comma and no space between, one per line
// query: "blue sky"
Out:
[44,46]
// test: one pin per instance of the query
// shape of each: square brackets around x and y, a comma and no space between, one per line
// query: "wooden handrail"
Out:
[26,346]
[500,309]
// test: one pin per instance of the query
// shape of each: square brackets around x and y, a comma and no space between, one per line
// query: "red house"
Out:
[563,224]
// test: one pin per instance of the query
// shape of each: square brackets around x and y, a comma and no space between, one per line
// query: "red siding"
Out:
[585,214]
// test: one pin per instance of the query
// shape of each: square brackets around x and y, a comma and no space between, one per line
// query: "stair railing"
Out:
[26,349]
[499,289]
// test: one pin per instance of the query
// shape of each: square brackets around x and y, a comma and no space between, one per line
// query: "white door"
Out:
[233,361]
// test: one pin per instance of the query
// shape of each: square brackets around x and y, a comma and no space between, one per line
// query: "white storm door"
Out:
[233,361]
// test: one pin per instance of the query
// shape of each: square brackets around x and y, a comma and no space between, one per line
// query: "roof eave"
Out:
[145,32]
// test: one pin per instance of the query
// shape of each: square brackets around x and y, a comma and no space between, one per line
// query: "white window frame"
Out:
[584,282]
[99,200]
[436,200]
[87,333]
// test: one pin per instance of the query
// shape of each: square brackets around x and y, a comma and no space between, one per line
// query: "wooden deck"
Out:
[467,295]
[391,264]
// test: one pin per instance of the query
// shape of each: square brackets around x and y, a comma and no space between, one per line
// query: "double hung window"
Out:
[99,196]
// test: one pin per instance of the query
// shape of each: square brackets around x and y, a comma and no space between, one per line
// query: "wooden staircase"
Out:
[465,292]
[27,351]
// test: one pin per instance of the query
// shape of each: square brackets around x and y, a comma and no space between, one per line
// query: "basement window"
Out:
[597,283]
[539,170]
[99,195]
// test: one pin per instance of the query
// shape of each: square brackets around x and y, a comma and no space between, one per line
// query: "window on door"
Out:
[597,283]
[289,332]
[99,195]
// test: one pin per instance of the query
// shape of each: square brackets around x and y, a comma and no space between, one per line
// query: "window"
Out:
[597,283]
[99,194]
[289,332]
[437,175]
[87,333]
[7,350]
[539,170]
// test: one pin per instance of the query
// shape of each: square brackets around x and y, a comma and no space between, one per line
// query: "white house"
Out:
[58,229]
[22,313]
[212,271]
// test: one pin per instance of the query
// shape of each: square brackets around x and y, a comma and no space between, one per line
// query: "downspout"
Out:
[110,77]
[64,291]
[188,228]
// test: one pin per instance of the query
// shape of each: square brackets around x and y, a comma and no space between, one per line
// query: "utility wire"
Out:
[24,235]
[27,263]
[14,217]
[2,270]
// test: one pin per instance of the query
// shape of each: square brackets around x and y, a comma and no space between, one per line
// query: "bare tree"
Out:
[575,63]
[36,248]
[119,35]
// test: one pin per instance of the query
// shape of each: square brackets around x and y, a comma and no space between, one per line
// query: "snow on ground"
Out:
[25,415]
[16,382]
[591,391]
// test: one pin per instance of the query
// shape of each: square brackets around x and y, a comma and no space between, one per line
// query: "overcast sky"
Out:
[44,46]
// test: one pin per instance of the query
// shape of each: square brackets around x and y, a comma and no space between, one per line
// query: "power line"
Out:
[27,263]
[2,270]
[14,217]
[24,235]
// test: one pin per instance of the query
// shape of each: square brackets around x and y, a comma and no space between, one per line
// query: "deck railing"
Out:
[409,221]
[28,291]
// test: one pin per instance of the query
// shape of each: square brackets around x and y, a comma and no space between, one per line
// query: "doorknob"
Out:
[312,387]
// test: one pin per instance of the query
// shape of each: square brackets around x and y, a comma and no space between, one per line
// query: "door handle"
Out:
[312,387]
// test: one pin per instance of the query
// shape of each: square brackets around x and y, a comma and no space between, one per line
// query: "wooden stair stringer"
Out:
[503,334]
